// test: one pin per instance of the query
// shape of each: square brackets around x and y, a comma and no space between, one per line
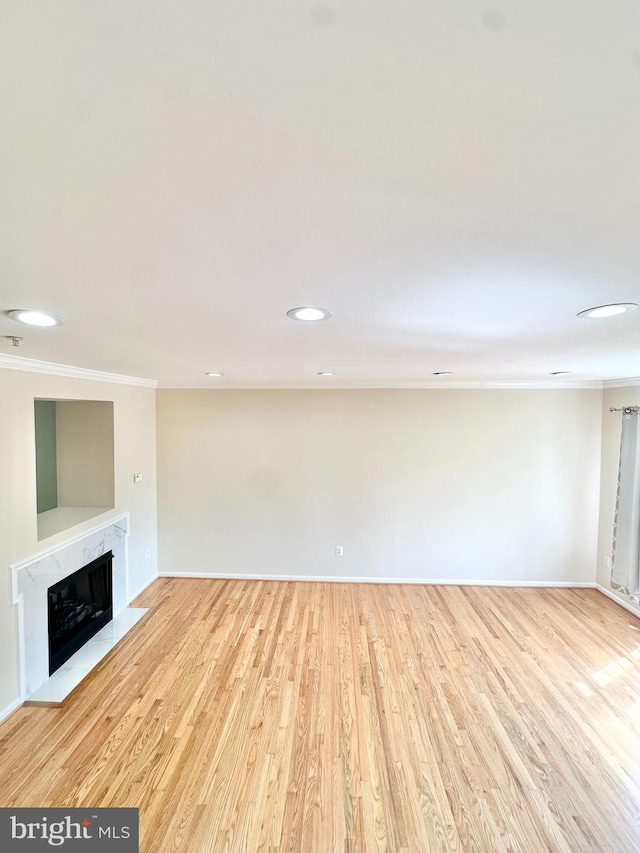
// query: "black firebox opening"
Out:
[79,606]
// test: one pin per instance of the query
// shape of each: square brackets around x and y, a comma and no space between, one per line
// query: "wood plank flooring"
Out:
[274,716]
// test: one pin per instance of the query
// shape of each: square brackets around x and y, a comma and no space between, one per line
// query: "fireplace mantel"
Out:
[32,577]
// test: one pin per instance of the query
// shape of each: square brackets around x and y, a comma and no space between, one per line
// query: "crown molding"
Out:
[34,366]
[632,382]
[542,384]
[13,362]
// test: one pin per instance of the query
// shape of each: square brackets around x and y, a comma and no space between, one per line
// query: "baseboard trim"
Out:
[620,601]
[142,588]
[335,579]
[10,709]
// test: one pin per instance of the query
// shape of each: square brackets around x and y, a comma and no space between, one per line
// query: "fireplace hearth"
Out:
[78,607]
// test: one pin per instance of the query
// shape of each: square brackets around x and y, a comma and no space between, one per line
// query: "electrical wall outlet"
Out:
[339,550]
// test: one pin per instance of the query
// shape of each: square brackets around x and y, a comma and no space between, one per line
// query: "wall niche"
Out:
[74,462]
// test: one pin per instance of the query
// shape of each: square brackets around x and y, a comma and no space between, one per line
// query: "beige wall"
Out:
[465,485]
[611,429]
[85,461]
[134,432]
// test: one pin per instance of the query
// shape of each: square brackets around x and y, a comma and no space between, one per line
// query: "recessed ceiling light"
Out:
[34,318]
[442,373]
[560,372]
[309,314]
[326,373]
[608,310]
[214,374]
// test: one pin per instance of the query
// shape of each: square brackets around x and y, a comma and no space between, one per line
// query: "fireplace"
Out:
[79,606]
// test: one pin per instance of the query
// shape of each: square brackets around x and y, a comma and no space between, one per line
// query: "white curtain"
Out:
[625,563]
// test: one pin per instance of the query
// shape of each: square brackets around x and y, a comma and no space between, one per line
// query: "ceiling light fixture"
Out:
[560,372]
[442,373]
[214,374]
[34,318]
[601,311]
[326,373]
[309,314]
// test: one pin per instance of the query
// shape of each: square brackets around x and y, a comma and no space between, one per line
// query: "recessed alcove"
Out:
[74,462]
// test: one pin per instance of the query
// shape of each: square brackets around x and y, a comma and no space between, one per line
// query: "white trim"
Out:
[15,567]
[142,589]
[10,709]
[632,382]
[627,605]
[127,597]
[34,366]
[336,579]
[427,385]
[22,667]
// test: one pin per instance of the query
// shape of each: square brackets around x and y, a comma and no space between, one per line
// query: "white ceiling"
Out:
[454,180]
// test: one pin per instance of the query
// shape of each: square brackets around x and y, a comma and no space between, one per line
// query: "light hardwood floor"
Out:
[273,716]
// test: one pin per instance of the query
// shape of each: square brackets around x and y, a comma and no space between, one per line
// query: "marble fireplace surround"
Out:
[31,578]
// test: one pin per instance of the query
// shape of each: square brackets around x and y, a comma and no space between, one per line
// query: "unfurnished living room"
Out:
[319,426]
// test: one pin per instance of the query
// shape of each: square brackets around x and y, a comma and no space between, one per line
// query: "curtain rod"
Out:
[628,410]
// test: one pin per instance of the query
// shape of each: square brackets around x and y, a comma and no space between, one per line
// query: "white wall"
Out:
[464,485]
[134,435]
[611,430]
